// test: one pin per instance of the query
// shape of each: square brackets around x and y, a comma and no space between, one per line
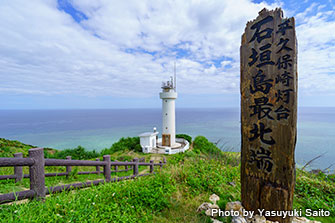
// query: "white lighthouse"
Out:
[168,96]
[168,144]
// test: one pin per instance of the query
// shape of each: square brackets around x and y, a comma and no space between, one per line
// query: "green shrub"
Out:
[79,153]
[180,157]
[184,136]
[124,158]
[9,147]
[129,143]
[202,144]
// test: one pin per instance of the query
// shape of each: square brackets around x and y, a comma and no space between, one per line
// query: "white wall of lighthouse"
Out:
[168,97]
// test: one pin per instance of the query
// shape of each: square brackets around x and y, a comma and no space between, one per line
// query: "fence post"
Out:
[107,168]
[116,167]
[126,166]
[160,165]
[18,169]
[36,173]
[151,166]
[97,168]
[68,168]
[135,170]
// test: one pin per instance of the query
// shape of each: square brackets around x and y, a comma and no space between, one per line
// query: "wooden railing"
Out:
[36,163]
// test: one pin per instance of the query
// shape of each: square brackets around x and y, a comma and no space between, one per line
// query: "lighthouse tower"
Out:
[168,96]
[168,144]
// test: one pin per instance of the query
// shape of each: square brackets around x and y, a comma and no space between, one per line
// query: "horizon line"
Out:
[122,108]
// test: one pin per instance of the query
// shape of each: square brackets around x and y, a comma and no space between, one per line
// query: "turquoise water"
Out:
[98,129]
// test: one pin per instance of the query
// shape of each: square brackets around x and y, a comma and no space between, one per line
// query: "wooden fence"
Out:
[36,163]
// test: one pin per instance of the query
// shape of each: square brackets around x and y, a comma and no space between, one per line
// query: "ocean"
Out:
[100,128]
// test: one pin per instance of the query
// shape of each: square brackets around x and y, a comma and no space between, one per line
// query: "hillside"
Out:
[9,147]
[171,195]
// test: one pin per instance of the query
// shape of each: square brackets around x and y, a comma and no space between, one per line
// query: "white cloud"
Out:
[44,51]
[316,50]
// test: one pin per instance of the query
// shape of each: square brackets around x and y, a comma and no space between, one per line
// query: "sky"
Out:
[65,54]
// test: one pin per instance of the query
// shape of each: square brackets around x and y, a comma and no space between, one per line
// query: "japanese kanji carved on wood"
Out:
[268,112]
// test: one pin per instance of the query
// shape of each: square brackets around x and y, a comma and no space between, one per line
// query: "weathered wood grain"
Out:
[6,198]
[107,167]
[7,177]
[16,162]
[36,172]
[68,168]
[18,172]
[268,112]
[151,166]
[58,162]
[97,168]
[135,168]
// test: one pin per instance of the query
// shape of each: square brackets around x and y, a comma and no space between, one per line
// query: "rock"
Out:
[238,219]
[232,183]
[203,207]
[261,219]
[214,206]
[216,221]
[209,211]
[235,206]
[303,220]
[257,219]
[214,198]
[207,207]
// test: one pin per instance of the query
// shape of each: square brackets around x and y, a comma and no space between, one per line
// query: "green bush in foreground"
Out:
[79,153]
[184,136]
[201,144]
[129,143]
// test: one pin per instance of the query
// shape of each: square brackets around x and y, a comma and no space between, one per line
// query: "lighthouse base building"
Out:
[150,143]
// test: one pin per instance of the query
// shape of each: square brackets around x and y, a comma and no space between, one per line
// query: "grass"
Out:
[8,186]
[197,178]
[172,195]
[315,192]
[132,201]
[9,147]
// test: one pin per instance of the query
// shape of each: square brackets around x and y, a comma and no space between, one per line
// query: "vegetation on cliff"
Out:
[9,147]
[171,195]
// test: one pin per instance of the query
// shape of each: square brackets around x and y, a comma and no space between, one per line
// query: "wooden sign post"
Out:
[268,112]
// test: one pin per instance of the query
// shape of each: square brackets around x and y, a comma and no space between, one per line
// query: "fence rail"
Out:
[16,162]
[37,163]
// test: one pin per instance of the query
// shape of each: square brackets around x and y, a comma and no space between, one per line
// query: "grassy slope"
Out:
[172,195]
[9,147]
